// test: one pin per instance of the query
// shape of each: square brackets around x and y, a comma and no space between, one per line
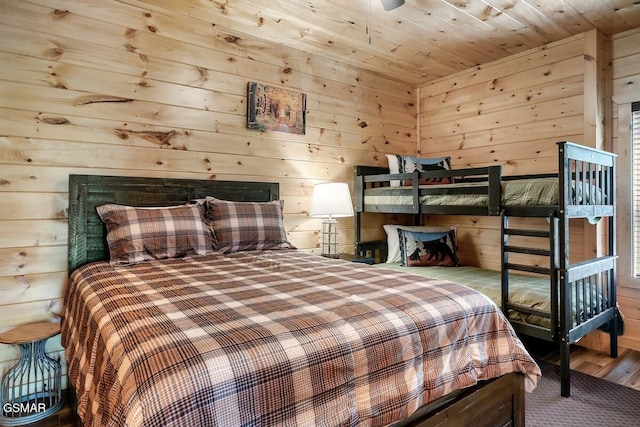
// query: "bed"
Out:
[580,296]
[272,336]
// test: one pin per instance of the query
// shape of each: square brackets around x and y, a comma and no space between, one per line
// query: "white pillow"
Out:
[393,242]
[394,167]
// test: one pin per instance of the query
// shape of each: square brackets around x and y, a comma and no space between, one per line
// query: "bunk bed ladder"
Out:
[551,253]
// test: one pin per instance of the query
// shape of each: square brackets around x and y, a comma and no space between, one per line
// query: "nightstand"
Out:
[358,258]
[32,389]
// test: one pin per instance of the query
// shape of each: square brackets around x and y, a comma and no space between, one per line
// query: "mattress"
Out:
[520,192]
[275,338]
[524,290]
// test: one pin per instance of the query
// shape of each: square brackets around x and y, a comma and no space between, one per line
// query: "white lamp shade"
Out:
[331,200]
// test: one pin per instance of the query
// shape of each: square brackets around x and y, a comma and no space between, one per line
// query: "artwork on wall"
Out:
[276,109]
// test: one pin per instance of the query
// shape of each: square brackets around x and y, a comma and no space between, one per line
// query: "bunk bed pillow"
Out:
[245,226]
[393,242]
[394,167]
[141,234]
[408,164]
[426,249]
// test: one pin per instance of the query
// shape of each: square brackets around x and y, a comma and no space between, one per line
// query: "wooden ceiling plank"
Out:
[487,13]
[562,12]
[499,23]
[389,45]
[600,13]
[533,18]
[448,20]
[386,27]
[287,31]
[628,11]
[395,46]
[421,41]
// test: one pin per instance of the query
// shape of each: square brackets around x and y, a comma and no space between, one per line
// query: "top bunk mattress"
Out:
[517,192]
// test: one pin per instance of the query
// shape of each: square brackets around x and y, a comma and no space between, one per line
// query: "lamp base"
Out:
[330,238]
[334,256]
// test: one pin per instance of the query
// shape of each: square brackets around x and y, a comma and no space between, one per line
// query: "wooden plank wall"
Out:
[158,88]
[626,89]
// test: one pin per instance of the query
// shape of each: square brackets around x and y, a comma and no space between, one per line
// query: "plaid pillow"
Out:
[141,234]
[244,226]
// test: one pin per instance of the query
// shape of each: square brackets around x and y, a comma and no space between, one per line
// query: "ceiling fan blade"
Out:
[391,4]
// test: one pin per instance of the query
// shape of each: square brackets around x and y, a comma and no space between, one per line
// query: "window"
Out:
[635,143]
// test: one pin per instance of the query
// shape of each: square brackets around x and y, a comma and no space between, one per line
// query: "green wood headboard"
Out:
[87,233]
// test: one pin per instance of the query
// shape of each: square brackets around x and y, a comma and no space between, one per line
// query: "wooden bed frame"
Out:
[497,402]
[87,233]
[581,168]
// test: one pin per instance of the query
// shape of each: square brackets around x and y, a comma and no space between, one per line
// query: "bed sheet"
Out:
[275,338]
[516,192]
[530,192]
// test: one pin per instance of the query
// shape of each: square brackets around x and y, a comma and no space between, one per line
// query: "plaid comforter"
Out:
[274,338]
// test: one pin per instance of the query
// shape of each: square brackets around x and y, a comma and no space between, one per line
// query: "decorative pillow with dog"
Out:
[428,248]
[393,241]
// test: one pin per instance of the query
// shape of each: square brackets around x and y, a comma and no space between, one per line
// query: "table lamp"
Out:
[330,200]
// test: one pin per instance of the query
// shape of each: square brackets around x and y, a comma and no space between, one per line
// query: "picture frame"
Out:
[272,108]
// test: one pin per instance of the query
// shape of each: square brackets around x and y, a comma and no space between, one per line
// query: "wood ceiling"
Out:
[423,39]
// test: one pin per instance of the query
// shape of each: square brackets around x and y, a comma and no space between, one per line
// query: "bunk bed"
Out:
[266,337]
[581,296]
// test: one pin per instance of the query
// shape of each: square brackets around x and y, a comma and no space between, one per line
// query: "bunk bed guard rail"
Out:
[485,181]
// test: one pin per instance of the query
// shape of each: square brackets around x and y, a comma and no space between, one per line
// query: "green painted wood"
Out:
[87,233]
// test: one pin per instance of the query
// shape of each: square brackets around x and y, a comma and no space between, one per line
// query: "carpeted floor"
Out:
[594,402]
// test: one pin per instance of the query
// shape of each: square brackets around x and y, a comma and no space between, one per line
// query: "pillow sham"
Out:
[244,226]
[425,249]
[408,164]
[393,242]
[137,234]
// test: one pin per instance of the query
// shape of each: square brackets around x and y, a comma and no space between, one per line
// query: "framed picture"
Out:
[275,109]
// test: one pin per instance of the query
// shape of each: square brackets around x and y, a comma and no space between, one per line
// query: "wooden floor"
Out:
[624,370]
[62,418]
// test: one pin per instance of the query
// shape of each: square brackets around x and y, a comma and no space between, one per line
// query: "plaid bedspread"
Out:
[274,338]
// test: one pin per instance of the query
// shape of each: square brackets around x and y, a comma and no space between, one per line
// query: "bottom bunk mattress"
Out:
[275,338]
[530,292]
[526,291]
